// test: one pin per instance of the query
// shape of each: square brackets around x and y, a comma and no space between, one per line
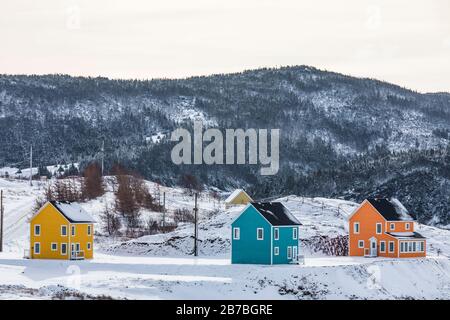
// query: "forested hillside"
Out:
[340,136]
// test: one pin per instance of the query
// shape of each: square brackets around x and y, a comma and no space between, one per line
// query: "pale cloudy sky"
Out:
[406,42]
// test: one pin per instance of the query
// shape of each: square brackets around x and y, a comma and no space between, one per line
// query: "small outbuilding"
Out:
[265,233]
[237,198]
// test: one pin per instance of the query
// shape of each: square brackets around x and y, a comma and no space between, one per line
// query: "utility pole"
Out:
[31,165]
[164,212]
[1,220]
[195,226]
[103,156]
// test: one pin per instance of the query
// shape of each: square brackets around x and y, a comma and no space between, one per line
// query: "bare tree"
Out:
[190,183]
[93,181]
[111,222]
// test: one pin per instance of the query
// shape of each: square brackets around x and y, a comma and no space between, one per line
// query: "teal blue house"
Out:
[265,233]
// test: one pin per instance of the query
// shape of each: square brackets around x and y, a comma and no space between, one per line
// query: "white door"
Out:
[373,247]
[294,254]
[72,250]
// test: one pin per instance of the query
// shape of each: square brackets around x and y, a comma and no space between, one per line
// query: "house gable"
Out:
[248,248]
[48,208]
[363,210]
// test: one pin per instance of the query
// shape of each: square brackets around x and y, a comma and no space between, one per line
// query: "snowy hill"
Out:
[161,266]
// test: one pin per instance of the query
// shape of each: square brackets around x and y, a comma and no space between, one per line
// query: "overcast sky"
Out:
[406,42]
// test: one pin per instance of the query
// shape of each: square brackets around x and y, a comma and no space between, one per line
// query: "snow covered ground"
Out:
[162,267]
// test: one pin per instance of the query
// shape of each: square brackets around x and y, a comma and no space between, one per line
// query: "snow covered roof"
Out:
[406,235]
[391,209]
[234,194]
[276,213]
[72,211]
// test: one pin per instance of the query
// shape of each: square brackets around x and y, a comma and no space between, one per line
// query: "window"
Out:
[294,233]
[289,252]
[276,233]
[37,248]
[409,247]
[37,230]
[391,246]
[392,226]
[236,233]
[382,246]
[63,249]
[73,231]
[379,226]
[64,231]
[422,247]
[356,227]
[407,226]
[402,247]
[414,246]
[260,234]
[89,230]
[276,251]
[88,246]
[54,246]
[361,244]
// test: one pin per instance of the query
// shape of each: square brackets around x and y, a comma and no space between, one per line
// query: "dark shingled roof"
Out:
[390,209]
[276,213]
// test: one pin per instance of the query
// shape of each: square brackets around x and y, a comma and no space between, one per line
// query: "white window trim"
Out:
[62,227]
[34,248]
[407,226]
[236,235]
[89,246]
[276,233]
[381,228]
[72,231]
[389,248]
[40,230]
[392,226]
[257,234]
[384,243]
[276,251]
[295,233]
[51,246]
[89,230]
[422,246]
[359,244]
[61,249]
[354,227]
[289,252]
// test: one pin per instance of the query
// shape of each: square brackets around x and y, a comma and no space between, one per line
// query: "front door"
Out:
[72,251]
[373,247]
[294,254]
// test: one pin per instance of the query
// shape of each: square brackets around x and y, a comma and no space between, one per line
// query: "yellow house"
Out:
[238,197]
[61,230]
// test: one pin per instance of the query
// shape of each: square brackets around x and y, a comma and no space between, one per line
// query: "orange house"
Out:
[383,227]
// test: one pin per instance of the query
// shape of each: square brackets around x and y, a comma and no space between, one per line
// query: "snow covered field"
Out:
[162,267]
